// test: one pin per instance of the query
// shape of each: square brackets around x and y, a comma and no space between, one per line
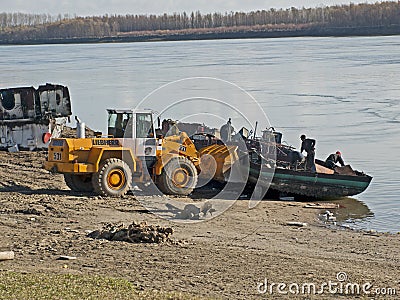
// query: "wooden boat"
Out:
[292,178]
[267,163]
[304,183]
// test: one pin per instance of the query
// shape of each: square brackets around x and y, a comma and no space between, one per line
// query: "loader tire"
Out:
[179,177]
[114,178]
[79,183]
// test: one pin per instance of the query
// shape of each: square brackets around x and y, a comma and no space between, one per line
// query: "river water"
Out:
[344,92]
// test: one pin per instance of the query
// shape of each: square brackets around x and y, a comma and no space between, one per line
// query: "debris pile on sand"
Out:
[134,233]
[70,133]
[191,211]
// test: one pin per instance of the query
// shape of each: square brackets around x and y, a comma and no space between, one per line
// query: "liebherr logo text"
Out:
[106,142]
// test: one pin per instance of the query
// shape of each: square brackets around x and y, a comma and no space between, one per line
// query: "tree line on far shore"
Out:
[19,27]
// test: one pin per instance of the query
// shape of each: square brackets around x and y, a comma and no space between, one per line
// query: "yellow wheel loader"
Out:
[131,153]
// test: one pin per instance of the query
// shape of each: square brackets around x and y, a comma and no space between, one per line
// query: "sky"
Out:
[101,7]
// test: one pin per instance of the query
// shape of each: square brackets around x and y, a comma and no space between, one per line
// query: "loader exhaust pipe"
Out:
[80,128]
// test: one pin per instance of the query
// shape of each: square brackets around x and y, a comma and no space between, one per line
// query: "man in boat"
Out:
[226,131]
[333,159]
[308,145]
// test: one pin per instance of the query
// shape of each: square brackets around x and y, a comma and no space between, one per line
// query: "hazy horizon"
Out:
[102,7]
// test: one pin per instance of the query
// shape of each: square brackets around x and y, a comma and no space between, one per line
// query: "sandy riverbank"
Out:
[226,257]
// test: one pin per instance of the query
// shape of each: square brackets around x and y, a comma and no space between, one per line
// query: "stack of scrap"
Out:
[134,233]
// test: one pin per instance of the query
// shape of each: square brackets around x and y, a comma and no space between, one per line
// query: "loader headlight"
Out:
[58,143]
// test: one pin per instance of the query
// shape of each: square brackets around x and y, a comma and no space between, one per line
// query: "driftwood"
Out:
[6,255]
[322,205]
[297,224]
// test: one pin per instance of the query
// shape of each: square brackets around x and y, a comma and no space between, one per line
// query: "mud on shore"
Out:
[226,257]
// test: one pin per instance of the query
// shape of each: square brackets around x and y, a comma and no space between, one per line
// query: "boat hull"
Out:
[316,185]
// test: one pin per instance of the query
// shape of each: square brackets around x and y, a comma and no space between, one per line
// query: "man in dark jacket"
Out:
[334,158]
[226,131]
[308,145]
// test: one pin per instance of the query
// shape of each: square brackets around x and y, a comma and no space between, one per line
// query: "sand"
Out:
[242,254]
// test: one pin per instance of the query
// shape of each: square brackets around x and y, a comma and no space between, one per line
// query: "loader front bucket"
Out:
[217,160]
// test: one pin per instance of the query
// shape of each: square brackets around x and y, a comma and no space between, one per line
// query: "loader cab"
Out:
[118,124]
[137,130]
[130,124]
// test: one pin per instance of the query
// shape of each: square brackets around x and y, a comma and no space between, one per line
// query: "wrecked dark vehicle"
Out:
[29,117]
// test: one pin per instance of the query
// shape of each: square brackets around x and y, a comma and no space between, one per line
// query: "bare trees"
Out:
[21,19]
[16,26]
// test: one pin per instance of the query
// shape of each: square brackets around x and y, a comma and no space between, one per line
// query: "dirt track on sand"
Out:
[41,219]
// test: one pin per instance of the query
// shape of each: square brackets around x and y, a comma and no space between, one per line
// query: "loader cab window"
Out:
[144,125]
[120,125]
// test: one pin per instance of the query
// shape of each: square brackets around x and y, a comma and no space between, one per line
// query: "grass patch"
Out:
[15,285]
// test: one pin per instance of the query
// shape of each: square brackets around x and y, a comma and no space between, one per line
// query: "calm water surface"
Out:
[344,92]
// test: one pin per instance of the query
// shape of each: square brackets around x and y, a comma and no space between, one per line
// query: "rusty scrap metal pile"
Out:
[134,233]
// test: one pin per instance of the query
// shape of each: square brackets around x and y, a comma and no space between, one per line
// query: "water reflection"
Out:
[352,212]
